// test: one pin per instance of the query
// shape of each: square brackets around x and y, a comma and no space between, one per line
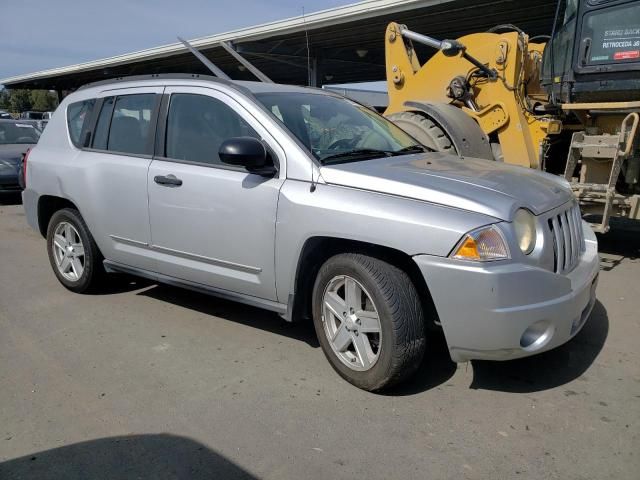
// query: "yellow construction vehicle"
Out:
[568,104]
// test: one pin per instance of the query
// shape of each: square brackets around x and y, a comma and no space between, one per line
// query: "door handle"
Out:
[167,181]
[586,47]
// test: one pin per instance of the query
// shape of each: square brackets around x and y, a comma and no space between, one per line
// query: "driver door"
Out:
[212,223]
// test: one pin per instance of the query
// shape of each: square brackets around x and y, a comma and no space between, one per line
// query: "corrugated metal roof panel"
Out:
[312,21]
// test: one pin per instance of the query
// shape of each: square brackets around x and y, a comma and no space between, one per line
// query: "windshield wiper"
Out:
[371,153]
[361,152]
[411,149]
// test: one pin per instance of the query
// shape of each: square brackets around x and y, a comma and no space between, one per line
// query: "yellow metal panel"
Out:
[500,108]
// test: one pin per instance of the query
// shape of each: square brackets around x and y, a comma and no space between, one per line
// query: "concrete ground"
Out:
[148,381]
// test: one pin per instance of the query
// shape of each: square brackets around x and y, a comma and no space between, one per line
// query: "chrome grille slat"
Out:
[580,230]
[568,216]
[559,245]
[567,240]
[568,236]
[576,239]
[572,234]
[576,212]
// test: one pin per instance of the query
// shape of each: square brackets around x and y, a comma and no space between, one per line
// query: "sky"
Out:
[40,34]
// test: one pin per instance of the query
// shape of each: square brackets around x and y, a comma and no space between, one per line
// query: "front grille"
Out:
[568,238]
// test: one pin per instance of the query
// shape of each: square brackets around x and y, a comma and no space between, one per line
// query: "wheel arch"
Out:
[47,206]
[316,250]
[466,135]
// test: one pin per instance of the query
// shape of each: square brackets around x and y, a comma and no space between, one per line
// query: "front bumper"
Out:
[502,311]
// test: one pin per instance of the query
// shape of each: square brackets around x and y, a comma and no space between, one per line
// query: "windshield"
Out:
[18,132]
[335,129]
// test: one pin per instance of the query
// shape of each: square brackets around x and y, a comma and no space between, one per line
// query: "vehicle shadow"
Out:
[116,283]
[540,372]
[550,369]
[436,368]
[153,456]
[10,198]
[234,312]
[622,240]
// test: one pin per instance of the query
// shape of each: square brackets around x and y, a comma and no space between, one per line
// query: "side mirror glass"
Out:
[247,152]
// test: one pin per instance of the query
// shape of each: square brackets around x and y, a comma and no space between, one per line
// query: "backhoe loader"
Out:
[568,104]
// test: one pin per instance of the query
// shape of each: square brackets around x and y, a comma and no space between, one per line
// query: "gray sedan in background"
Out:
[16,137]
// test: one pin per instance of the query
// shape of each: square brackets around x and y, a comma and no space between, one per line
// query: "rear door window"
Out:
[125,124]
[78,115]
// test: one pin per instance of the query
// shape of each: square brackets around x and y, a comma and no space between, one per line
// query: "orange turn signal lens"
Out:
[468,249]
[484,244]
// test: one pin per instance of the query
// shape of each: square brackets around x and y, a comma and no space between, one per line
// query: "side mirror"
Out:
[247,152]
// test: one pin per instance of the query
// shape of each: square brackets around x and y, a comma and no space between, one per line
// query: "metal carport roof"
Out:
[346,44]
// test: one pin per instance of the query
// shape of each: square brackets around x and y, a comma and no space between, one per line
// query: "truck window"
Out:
[614,34]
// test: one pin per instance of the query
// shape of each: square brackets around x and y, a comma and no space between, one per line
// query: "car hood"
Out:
[12,152]
[483,186]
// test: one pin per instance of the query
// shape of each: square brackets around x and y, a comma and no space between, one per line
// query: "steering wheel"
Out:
[373,140]
[343,143]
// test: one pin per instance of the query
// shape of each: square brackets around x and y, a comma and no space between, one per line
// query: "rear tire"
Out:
[382,317]
[423,129]
[74,256]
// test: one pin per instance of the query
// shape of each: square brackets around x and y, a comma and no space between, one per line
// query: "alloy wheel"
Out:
[351,323]
[68,251]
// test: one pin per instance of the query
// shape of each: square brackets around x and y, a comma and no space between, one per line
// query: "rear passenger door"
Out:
[120,153]
[215,225]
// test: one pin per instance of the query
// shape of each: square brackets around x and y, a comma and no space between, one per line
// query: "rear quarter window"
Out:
[78,115]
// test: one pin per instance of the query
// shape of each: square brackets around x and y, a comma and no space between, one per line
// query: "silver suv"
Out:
[310,205]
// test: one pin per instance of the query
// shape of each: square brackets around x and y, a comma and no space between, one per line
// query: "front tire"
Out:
[425,130]
[73,253]
[369,320]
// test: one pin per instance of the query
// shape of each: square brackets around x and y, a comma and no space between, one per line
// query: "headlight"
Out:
[525,227]
[483,244]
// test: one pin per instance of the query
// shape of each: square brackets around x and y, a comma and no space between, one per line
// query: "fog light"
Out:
[537,335]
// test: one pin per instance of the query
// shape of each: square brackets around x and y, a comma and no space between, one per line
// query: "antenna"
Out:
[207,63]
[306,34]
[252,68]
[312,187]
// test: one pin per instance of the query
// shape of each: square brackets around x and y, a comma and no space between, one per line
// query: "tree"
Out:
[19,100]
[43,100]
[4,100]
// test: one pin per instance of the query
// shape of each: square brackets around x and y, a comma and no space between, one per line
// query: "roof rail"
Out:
[156,76]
